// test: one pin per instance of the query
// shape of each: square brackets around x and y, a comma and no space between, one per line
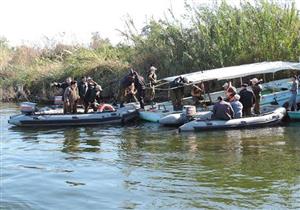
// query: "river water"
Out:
[144,166]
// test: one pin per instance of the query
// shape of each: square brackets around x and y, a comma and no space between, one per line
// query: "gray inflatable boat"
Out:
[267,119]
[55,117]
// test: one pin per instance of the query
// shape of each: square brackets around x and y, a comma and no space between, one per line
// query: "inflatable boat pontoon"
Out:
[268,119]
[54,118]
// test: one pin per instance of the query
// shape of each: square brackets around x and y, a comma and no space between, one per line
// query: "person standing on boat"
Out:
[197,93]
[82,89]
[125,83]
[62,85]
[256,88]
[92,94]
[130,93]
[139,84]
[222,110]
[294,92]
[247,98]
[70,98]
[237,106]
[177,92]
[152,78]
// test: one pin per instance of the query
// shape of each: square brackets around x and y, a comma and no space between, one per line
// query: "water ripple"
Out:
[145,166]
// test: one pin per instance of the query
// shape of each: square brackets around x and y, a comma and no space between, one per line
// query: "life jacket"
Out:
[105,107]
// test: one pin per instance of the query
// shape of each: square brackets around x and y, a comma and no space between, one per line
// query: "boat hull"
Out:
[156,112]
[294,115]
[156,115]
[42,120]
[269,119]
[178,119]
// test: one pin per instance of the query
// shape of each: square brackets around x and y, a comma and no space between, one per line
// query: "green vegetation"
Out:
[205,37]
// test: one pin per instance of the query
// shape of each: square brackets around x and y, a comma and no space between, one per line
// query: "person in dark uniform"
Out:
[92,94]
[177,92]
[140,86]
[247,98]
[63,85]
[222,110]
[82,89]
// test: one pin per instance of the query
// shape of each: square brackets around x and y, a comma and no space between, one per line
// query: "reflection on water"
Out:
[145,166]
[71,140]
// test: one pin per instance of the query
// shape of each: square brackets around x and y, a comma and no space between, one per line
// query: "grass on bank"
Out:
[204,37]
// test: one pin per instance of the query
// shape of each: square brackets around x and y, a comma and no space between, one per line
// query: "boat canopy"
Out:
[233,72]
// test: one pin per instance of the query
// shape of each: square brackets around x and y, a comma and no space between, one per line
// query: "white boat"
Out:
[279,89]
[179,118]
[153,113]
[268,119]
[55,117]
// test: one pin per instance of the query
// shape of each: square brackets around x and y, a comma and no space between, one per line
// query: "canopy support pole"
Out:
[273,80]
[241,81]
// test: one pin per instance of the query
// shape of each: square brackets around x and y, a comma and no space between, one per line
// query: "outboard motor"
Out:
[28,108]
[189,112]
[58,101]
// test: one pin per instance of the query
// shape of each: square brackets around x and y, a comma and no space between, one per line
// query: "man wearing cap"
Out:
[294,92]
[152,77]
[256,88]
[70,98]
[247,98]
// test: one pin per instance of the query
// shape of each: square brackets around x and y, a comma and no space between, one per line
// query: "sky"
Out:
[31,21]
[38,22]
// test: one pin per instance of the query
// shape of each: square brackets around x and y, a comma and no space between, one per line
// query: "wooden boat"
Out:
[55,117]
[268,119]
[274,92]
[294,115]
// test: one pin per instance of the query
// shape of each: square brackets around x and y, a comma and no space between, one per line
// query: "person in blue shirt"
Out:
[294,92]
